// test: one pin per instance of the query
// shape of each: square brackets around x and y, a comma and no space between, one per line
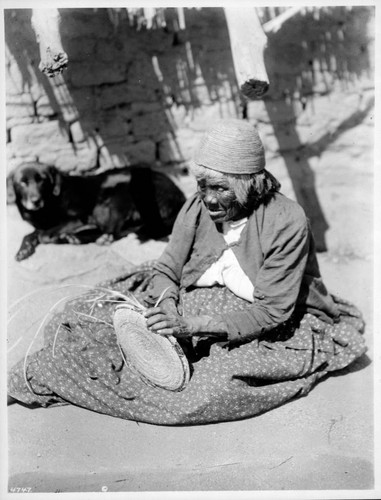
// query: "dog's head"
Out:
[35,184]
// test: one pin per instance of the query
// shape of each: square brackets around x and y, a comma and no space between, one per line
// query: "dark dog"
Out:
[80,209]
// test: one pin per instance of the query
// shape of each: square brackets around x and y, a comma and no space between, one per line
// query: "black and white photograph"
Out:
[189,233]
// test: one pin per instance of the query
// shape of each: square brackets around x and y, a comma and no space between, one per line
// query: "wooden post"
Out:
[277,22]
[248,42]
[46,25]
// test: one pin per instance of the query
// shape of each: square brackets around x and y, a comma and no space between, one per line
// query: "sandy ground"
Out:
[321,442]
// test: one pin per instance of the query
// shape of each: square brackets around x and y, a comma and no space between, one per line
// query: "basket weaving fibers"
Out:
[158,359]
[232,147]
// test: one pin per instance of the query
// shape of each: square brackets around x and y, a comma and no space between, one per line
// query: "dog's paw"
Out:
[105,239]
[46,238]
[28,246]
[69,238]
[24,252]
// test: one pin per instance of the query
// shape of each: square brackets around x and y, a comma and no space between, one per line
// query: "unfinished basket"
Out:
[158,359]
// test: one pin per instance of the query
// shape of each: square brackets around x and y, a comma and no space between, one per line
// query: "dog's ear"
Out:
[55,179]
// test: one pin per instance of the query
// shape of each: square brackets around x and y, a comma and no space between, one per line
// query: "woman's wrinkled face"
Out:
[219,199]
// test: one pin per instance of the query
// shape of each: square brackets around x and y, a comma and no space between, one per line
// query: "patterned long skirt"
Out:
[81,362]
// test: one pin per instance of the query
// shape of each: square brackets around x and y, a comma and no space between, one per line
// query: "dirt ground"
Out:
[321,442]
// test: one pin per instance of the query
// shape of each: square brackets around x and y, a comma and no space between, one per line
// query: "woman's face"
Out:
[219,199]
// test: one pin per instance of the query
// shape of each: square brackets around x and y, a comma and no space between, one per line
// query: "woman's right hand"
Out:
[166,321]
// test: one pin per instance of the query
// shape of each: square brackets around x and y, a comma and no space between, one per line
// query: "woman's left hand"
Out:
[169,323]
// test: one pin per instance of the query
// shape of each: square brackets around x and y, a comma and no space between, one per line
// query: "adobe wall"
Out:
[131,96]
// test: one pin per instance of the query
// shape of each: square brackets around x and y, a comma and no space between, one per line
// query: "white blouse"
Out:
[226,270]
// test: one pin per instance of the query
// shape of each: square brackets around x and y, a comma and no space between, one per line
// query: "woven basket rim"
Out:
[130,328]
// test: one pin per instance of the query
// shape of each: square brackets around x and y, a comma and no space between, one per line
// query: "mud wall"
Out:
[133,95]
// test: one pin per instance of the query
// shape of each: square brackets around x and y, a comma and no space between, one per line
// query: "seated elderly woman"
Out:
[244,298]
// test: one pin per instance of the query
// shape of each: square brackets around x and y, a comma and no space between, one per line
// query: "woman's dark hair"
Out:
[251,190]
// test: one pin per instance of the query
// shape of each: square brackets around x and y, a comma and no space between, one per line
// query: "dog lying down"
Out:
[81,209]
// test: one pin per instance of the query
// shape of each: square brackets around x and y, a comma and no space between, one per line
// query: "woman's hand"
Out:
[169,322]
[165,320]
